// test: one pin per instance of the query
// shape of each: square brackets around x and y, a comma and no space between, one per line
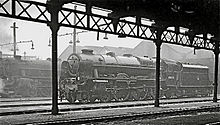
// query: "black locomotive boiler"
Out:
[87,77]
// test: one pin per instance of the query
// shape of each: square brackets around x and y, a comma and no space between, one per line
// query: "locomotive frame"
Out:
[88,77]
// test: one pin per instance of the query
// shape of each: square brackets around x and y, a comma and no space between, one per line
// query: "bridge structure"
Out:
[169,13]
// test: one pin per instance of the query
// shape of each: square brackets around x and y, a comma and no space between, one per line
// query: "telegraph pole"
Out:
[74,32]
[14,37]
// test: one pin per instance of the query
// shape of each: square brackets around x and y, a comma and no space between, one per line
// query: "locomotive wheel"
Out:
[168,95]
[152,93]
[142,94]
[121,95]
[122,75]
[207,93]
[70,97]
[61,95]
[105,97]
[134,95]
[92,99]
[43,92]
[84,97]
[178,94]
[204,95]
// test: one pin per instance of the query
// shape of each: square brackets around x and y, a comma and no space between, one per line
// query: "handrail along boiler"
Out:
[89,77]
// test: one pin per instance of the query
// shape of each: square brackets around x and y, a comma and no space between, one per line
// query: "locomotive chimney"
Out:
[0,54]
[87,51]
[17,57]
[127,55]
[112,54]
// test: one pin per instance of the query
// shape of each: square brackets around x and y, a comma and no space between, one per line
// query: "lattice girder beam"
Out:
[24,10]
[37,12]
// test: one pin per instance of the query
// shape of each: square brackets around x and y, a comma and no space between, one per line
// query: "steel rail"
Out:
[148,115]
[88,107]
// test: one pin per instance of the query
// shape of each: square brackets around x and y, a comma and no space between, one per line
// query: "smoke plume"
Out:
[5,32]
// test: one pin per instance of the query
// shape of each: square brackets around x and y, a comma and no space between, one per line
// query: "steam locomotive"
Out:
[25,78]
[89,77]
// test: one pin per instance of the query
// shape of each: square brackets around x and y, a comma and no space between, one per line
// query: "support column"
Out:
[138,22]
[88,12]
[177,31]
[216,52]
[54,26]
[158,44]
[74,32]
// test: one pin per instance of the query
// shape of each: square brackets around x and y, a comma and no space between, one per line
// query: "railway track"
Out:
[146,115]
[24,99]
[43,106]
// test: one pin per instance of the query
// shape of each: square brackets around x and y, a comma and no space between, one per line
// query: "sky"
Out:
[40,35]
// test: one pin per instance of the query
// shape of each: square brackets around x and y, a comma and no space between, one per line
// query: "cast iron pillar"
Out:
[138,22]
[158,43]
[88,13]
[74,32]
[216,52]
[53,8]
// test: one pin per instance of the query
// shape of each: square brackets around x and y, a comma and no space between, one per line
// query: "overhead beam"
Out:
[97,23]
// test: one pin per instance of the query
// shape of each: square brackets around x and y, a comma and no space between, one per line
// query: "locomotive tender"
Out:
[25,78]
[87,77]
